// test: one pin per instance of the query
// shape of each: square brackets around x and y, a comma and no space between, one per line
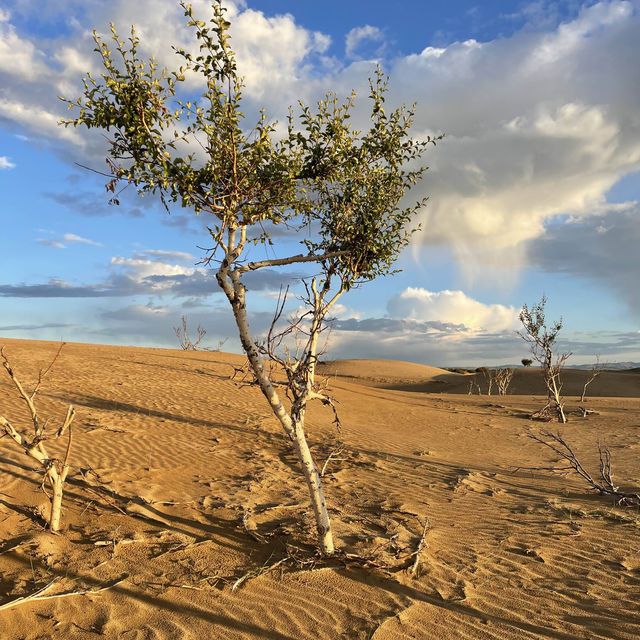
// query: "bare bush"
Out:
[183,336]
[603,483]
[54,470]
[503,380]
[596,369]
[542,340]
[488,376]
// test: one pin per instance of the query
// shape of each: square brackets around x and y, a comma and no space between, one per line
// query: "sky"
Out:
[534,189]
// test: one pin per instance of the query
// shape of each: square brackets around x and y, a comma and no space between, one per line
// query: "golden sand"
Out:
[183,484]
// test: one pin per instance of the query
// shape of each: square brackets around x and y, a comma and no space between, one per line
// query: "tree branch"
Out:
[252,266]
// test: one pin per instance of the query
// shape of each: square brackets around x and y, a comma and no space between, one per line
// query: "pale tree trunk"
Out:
[230,282]
[555,398]
[56,503]
[314,483]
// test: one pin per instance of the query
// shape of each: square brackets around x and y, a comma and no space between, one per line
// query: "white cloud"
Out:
[452,307]
[73,238]
[65,240]
[138,269]
[538,124]
[19,57]
[358,35]
[169,255]
[51,243]
[5,163]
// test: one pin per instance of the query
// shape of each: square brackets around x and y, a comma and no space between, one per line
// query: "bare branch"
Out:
[421,544]
[604,485]
[183,336]
[276,262]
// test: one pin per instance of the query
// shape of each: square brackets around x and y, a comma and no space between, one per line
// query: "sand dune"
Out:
[408,376]
[182,483]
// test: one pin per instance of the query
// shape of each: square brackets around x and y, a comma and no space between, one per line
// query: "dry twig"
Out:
[40,593]
[421,544]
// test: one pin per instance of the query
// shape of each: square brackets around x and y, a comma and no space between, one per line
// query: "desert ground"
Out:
[185,515]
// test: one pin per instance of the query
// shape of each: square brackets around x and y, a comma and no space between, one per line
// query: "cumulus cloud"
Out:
[358,35]
[5,163]
[540,124]
[19,57]
[551,127]
[452,308]
[449,344]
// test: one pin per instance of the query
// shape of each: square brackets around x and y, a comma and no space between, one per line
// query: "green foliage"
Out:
[526,362]
[347,184]
[541,338]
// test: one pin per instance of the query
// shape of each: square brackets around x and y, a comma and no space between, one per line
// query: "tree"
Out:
[54,470]
[186,344]
[596,369]
[503,380]
[526,362]
[489,377]
[343,185]
[542,341]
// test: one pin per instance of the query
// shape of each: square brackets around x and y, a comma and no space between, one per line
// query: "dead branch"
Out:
[332,456]
[245,524]
[604,485]
[265,568]
[40,593]
[421,544]
[503,380]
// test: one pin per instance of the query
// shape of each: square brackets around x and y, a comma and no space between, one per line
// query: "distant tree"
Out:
[343,186]
[489,377]
[542,341]
[503,380]
[526,362]
[596,369]
[182,334]
[54,470]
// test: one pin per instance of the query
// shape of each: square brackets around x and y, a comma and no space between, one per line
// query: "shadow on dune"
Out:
[527,382]
[600,621]
[220,531]
[161,604]
[105,404]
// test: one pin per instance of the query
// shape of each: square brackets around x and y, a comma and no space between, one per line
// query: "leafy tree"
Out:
[344,185]
[526,362]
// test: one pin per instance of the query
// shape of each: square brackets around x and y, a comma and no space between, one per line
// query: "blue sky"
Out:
[533,190]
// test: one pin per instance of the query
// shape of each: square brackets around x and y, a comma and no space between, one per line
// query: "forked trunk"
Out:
[236,295]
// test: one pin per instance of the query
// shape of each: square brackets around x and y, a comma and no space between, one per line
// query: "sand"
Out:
[183,486]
